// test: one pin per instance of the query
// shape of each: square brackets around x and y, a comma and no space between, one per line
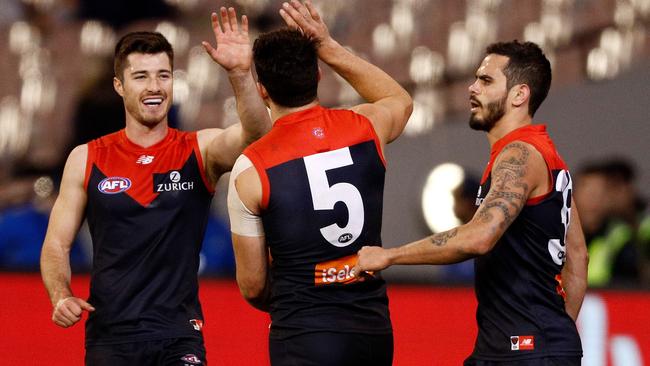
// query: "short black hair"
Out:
[286,62]
[528,65]
[140,42]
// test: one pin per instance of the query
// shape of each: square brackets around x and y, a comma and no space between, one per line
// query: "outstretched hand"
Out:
[371,259]
[306,18]
[67,312]
[233,51]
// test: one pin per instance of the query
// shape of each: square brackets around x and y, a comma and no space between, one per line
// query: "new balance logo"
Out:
[522,343]
[144,159]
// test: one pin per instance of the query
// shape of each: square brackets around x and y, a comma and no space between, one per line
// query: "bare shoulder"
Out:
[249,188]
[380,118]
[514,177]
[377,114]
[76,163]
[521,162]
[78,155]
[74,172]
[521,157]
[206,136]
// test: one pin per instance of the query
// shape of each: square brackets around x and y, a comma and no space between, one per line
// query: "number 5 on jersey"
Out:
[324,196]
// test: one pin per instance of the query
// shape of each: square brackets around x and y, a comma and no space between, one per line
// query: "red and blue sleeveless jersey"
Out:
[147,210]
[521,311]
[322,174]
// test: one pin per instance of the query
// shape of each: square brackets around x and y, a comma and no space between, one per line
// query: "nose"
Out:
[473,88]
[153,85]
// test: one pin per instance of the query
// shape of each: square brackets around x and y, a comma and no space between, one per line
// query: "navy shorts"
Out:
[329,348]
[164,352]
[544,361]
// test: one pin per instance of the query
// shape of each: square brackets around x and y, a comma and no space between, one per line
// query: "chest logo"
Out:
[176,183]
[114,185]
[145,159]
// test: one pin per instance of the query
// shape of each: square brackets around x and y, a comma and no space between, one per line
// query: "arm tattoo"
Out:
[509,191]
[441,239]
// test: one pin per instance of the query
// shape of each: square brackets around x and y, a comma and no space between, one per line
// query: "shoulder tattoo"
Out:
[509,190]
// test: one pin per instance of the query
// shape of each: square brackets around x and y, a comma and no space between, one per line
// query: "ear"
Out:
[117,85]
[261,90]
[520,95]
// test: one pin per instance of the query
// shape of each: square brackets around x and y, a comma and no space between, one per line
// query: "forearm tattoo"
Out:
[441,239]
[509,190]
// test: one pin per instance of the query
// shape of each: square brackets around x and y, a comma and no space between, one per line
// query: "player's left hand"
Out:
[67,311]
[233,51]
[306,18]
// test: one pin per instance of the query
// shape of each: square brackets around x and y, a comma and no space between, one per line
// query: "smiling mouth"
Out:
[155,101]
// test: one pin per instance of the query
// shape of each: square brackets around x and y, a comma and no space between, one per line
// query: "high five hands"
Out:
[306,18]
[233,50]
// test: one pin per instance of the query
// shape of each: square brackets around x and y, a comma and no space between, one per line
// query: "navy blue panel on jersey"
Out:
[521,311]
[144,280]
[302,299]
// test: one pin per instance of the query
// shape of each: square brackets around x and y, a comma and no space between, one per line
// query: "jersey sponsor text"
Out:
[336,271]
[168,187]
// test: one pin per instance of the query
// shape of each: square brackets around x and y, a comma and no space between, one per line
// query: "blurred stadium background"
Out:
[56,92]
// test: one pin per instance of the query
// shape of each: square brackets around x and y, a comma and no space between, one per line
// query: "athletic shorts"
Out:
[544,361]
[164,352]
[328,348]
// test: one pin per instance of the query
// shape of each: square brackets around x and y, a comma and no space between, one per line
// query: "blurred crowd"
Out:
[616,223]
[28,187]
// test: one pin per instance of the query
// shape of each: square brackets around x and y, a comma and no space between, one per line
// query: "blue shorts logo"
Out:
[114,185]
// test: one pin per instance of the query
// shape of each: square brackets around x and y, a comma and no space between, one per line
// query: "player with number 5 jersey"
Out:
[308,195]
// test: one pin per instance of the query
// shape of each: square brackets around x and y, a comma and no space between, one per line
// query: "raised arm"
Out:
[517,174]
[389,106]
[574,273]
[233,52]
[65,220]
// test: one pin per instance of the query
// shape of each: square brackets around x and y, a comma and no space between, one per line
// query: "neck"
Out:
[278,112]
[144,135]
[507,124]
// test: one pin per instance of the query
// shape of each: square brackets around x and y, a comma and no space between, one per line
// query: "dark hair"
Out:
[286,62]
[140,42]
[528,65]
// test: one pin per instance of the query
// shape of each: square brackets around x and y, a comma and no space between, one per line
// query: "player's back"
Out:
[322,174]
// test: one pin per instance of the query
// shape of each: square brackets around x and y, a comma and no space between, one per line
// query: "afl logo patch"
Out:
[318,133]
[114,185]
[345,238]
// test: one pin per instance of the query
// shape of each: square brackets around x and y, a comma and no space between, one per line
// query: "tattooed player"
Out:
[531,263]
